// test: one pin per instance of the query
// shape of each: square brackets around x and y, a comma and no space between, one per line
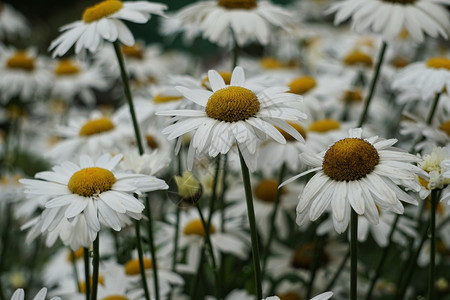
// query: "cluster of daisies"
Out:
[131,170]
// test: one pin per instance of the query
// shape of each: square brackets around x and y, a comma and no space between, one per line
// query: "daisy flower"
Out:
[19,294]
[356,173]
[435,165]
[24,75]
[233,113]
[246,20]
[390,17]
[12,23]
[104,21]
[323,296]
[430,77]
[92,189]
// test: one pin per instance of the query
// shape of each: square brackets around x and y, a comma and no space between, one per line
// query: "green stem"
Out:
[96,262]
[196,280]
[5,242]
[175,239]
[429,119]
[235,52]
[382,259]
[75,272]
[141,259]
[338,272]
[87,273]
[432,266]
[222,193]
[128,96]
[272,220]
[252,223]
[354,255]
[373,84]
[152,248]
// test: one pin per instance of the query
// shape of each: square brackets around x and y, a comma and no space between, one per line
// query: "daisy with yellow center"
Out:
[233,113]
[428,78]
[358,174]
[92,189]
[389,17]
[249,20]
[104,21]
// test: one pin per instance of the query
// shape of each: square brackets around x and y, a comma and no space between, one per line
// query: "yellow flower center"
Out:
[350,159]
[357,57]
[164,99]
[303,257]
[134,51]
[352,96]
[151,142]
[423,182]
[132,266]
[226,76]
[115,297]
[301,85]
[82,284]
[404,2]
[196,227]
[400,62]
[445,127]
[90,181]
[66,67]
[439,63]
[101,10]
[21,60]
[297,127]
[232,104]
[324,125]
[233,4]
[266,190]
[75,254]
[290,296]
[96,126]
[271,63]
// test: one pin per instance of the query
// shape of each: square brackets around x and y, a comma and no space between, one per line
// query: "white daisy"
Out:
[12,23]
[24,75]
[19,294]
[103,21]
[92,190]
[435,165]
[430,77]
[233,113]
[356,173]
[246,20]
[389,17]
[323,296]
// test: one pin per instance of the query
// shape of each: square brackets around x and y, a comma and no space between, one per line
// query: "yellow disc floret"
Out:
[350,159]
[196,227]
[290,296]
[301,85]
[101,10]
[115,297]
[75,254]
[297,127]
[152,142]
[233,4]
[134,51]
[271,63]
[357,57]
[266,190]
[439,63]
[90,181]
[82,284]
[445,127]
[159,98]
[232,104]
[21,60]
[352,96]
[324,125]
[66,67]
[96,126]
[132,267]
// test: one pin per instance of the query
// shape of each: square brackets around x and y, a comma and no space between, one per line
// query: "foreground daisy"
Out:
[103,21]
[93,190]
[233,113]
[390,17]
[245,20]
[359,174]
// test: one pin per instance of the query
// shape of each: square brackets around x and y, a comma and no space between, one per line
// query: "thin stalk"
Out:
[338,272]
[382,259]
[141,259]
[75,273]
[5,242]
[126,87]
[235,52]
[152,247]
[252,223]
[213,198]
[96,262]
[272,220]
[175,239]
[206,227]
[87,273]
[432,266]
[222,193]
[196,280]
[429,119]
[373,84]
[354,255]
